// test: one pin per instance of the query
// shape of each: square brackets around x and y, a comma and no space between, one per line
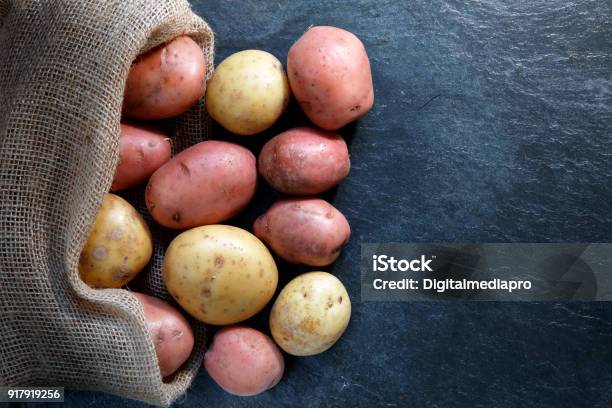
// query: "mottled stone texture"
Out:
[492,123]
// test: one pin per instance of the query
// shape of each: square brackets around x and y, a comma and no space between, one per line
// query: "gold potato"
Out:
[220,274]
[118,246]
[248,92]
[310,314]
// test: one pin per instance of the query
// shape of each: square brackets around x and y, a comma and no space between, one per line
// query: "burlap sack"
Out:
[63,65]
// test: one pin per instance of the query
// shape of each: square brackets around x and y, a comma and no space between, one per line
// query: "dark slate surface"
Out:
[492,123]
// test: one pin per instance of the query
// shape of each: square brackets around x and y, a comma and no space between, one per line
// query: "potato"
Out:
[304,230]
[304,161]
[220,274]
[118,246]
[207,183]
[165,81]
[310,314]
[248,92]
[329,73]
[142,150]
[244,361]
[171,333]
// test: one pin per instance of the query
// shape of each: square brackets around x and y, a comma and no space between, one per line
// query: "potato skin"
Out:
[304,230]
[165,81]
[220,274]
[310,314]
[244,361]
[142,150]
[119,245]
[248,92]
[207,183]
[171,333]
[330,76]
[304,161]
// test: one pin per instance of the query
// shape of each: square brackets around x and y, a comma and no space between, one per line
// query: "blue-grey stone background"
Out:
[492,123]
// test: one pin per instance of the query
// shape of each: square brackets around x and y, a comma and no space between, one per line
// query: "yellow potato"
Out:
[310,314]
[220,274]
[118,246]
[248,92]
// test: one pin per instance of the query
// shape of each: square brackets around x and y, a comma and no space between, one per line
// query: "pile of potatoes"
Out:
[220,274]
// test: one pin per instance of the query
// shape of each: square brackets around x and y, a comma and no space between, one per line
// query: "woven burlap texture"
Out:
[63,66]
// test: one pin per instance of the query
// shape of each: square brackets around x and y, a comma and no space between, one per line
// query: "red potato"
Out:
[207,183]
[329,73]
[309,231]
[142,150]
[244,361]
[165,81]
[171,333]
[304,161]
